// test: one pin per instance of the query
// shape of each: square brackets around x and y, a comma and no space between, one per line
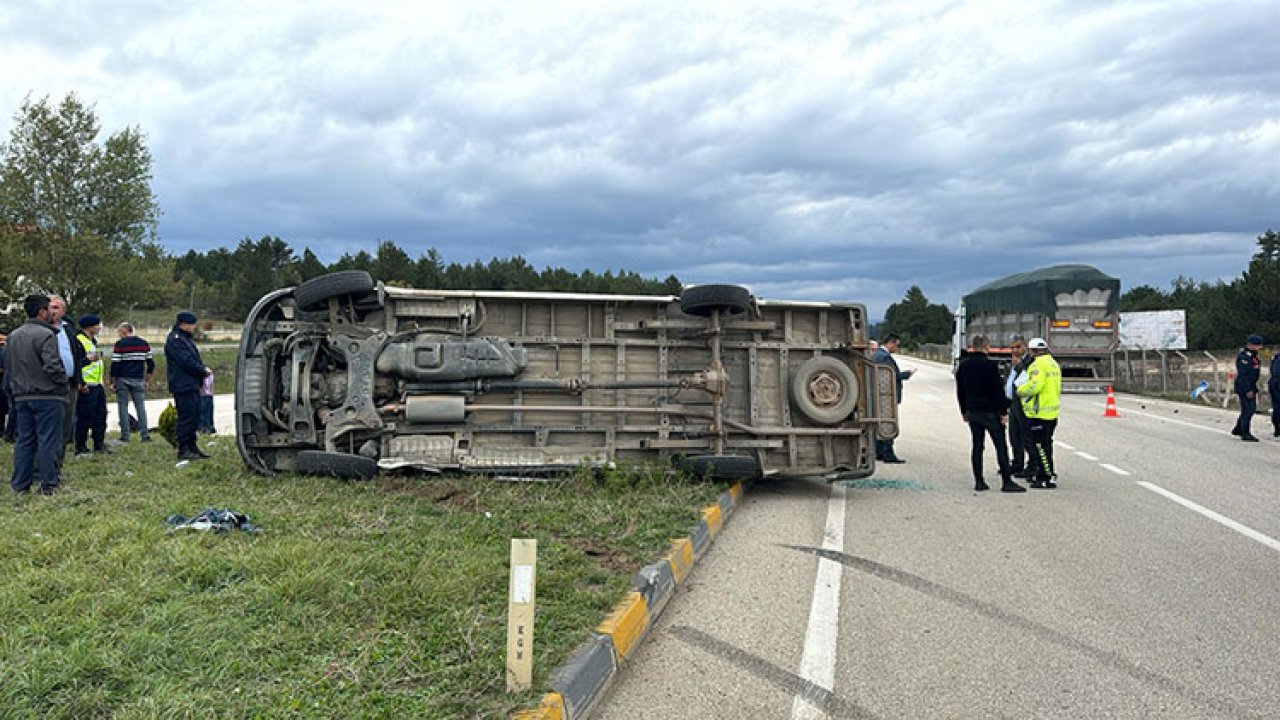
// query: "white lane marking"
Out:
[818,663]
[1063,445]
[1178,422]
[1242,529]
[1115,469]
[1086,456]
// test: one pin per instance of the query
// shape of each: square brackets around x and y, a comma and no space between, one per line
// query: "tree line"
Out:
[78,218]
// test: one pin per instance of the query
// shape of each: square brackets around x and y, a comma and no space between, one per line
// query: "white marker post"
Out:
[523,591]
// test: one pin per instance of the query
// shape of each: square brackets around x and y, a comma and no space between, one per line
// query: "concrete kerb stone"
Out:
[579,683]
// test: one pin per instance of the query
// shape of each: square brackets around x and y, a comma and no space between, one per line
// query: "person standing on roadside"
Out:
[1019,432]
[1248,370]
[1273,387]
[131,369]
[38,382]
[985,408]
[4,389]
[186,372]
[73,360]
[1041,397]
[888,346]
[91,405]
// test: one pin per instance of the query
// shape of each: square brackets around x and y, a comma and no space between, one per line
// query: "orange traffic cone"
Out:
[1111,404]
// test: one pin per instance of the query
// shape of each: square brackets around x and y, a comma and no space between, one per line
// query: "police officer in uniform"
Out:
[1041,395]
[186,371]
[1248,370]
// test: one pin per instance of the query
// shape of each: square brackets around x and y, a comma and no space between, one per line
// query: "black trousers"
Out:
[91,417]
[188,406]
[982,424]
[1274,388]
[1019,436]
[1042,447]
[1248,406]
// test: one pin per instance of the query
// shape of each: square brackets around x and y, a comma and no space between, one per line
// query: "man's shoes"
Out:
[199,453]
[980,485]
[1035,483]
[46,491]
[101,451]
[83,453]
[1011,486]
[893,460]
[146,438]
[1015,469]
[1248,438]
[191,455]
[1050,482]
[1235,431]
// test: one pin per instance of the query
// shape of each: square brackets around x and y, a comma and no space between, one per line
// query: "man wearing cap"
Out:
[1040,392]
[1248,370]
[186,371]
[91,405]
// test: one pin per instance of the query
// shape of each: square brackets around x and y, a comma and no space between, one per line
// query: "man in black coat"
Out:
[1248,370]
[185,371]
[1273,387]
[985,408]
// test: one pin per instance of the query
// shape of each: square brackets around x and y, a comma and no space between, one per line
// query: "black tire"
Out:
[341,465]
[719,467]
[701,300]
[824,390]
[314,293]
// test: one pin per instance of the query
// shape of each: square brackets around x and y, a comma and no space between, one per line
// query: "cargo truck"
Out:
[1075,308]
[347,377]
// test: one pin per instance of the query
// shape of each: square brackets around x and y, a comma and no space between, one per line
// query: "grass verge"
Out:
[384,599]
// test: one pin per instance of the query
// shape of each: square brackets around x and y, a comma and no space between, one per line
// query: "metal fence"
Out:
[1176,373]
[1167,373]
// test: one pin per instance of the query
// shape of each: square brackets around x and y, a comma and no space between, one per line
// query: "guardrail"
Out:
[1176,373]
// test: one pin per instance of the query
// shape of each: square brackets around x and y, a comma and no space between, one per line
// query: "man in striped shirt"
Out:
[131,369]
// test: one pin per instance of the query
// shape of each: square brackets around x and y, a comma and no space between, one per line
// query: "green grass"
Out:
[384,599]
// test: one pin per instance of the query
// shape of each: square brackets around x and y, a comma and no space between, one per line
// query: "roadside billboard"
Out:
[1154,330]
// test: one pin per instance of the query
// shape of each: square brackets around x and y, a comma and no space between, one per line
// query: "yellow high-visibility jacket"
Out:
[1041,394]
[92,372]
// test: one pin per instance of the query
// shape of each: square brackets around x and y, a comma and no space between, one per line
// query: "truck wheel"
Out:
[719,467]
[341,465]
[824,390]
[312,294]
[701,300]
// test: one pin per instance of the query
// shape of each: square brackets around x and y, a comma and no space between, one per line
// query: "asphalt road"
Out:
[1146,585]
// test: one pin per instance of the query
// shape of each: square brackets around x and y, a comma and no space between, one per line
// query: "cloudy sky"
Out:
[808,150]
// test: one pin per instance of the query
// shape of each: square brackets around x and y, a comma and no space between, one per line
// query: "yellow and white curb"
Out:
[578,684]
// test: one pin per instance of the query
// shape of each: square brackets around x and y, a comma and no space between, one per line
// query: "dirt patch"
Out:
[443,492]
[607,557]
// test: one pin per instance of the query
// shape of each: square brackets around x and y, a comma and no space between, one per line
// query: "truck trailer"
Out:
[347,377]
[1075,308]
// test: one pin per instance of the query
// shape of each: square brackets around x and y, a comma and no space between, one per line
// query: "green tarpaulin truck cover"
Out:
[1034,291]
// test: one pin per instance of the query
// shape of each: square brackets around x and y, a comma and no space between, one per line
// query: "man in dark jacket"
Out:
[1248,370]
[1273,387]
[38,383]
[4,389]
[73,361]
[985,408]
[1019,429]
[884,354]
[186,371]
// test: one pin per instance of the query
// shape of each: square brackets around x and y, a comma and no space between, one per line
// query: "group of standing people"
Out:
[55,382]
[1027,401]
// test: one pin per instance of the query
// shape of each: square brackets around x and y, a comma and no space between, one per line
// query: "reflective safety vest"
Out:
[1041,394]
[92,371]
